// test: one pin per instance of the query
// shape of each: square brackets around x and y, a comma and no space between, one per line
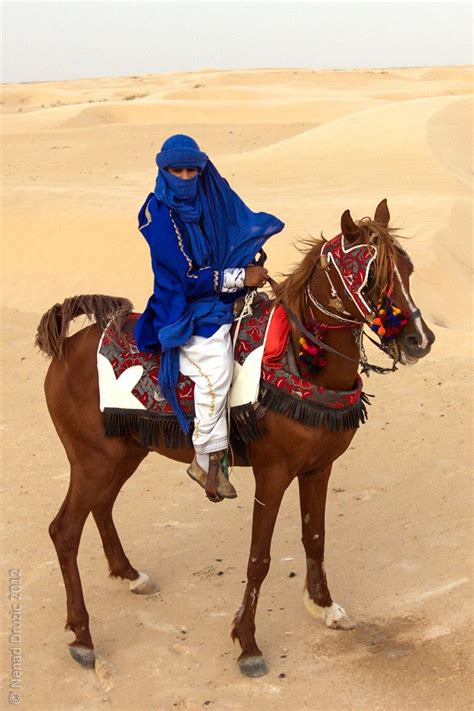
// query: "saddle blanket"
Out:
[130,396]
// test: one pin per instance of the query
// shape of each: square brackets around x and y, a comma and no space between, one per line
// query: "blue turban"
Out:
[181,151]
[223,233]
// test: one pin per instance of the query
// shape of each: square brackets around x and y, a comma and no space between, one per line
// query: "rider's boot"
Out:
[218,461]
[196,472]
[215,482]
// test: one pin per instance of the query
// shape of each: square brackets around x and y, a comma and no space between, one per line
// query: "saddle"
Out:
[131,401]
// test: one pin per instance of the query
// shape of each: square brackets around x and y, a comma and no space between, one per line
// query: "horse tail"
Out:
[53,328]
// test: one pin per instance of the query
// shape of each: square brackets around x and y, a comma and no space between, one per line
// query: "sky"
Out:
[71,39]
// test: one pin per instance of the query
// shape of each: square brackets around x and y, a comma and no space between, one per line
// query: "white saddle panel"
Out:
[246,377]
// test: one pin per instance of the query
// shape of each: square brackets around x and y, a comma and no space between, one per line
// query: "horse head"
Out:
[374,272]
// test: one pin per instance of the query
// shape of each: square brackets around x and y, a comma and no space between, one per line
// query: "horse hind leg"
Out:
[65,531]
[119,564]
[316,595]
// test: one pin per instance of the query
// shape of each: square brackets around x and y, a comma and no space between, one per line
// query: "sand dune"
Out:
[78,161]
[391,139]
[450,138]
[143,112]
[386,151]
[347,151]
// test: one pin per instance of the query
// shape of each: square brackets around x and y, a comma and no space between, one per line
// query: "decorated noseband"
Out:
[353,266]
[390,320]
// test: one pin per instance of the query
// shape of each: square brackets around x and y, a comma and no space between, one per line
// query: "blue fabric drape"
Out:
[221,232]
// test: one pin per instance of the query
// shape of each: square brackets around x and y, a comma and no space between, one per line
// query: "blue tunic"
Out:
[178,282]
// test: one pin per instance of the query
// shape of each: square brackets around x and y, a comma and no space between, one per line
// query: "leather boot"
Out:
[217,486]
[224,488]
[197,473]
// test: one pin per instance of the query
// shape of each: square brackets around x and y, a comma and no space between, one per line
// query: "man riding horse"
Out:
[202,237]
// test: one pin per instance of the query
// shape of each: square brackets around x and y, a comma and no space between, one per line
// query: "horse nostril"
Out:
[413,341]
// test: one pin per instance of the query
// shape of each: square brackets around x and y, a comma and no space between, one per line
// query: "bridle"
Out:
[390,347]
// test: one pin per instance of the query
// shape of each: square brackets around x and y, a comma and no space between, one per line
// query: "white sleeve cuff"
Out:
[233,280]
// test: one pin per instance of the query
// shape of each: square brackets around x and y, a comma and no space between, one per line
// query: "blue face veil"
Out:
[223,233]
[233,233]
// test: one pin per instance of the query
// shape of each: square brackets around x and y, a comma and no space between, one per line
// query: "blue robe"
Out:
[178,283]
[188,267]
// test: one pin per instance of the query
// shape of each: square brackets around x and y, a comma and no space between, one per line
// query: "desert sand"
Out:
[78,160]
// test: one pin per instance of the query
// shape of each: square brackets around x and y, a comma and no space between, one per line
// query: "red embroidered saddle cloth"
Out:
[281,387]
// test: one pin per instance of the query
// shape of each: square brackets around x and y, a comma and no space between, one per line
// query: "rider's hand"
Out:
[255,276]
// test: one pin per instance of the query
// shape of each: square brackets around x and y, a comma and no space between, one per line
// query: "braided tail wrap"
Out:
[53,327]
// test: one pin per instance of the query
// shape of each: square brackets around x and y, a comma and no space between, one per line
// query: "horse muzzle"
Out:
[415,342]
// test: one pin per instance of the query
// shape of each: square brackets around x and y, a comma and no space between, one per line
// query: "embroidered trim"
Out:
[148,217]
[179,237]
[213,446]
[212,394]
[216,280]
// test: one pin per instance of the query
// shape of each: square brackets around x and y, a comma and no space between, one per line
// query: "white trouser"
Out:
[209,363]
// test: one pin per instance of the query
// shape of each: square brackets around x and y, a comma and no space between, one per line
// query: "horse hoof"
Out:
[143,585]
[253,666]
[83,656]
[334,616]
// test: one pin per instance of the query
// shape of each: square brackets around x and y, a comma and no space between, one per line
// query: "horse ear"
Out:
[382,214]
[349,227]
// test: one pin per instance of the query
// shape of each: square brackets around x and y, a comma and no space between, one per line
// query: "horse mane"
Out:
[291,291]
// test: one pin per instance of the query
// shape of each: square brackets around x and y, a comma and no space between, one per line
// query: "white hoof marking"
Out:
[334,616]
[142,578]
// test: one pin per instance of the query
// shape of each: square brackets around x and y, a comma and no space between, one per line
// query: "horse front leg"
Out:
[271,484]
[317,598]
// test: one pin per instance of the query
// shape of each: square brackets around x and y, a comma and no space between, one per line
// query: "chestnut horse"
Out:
[100,465]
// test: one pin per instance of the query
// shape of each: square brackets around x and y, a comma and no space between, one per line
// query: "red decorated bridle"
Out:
[353,264]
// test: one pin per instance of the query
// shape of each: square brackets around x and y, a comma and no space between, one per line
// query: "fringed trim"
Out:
[245,423]
[311,413]
[152,429]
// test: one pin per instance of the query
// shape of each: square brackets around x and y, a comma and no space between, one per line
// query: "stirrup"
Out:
[197,473]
